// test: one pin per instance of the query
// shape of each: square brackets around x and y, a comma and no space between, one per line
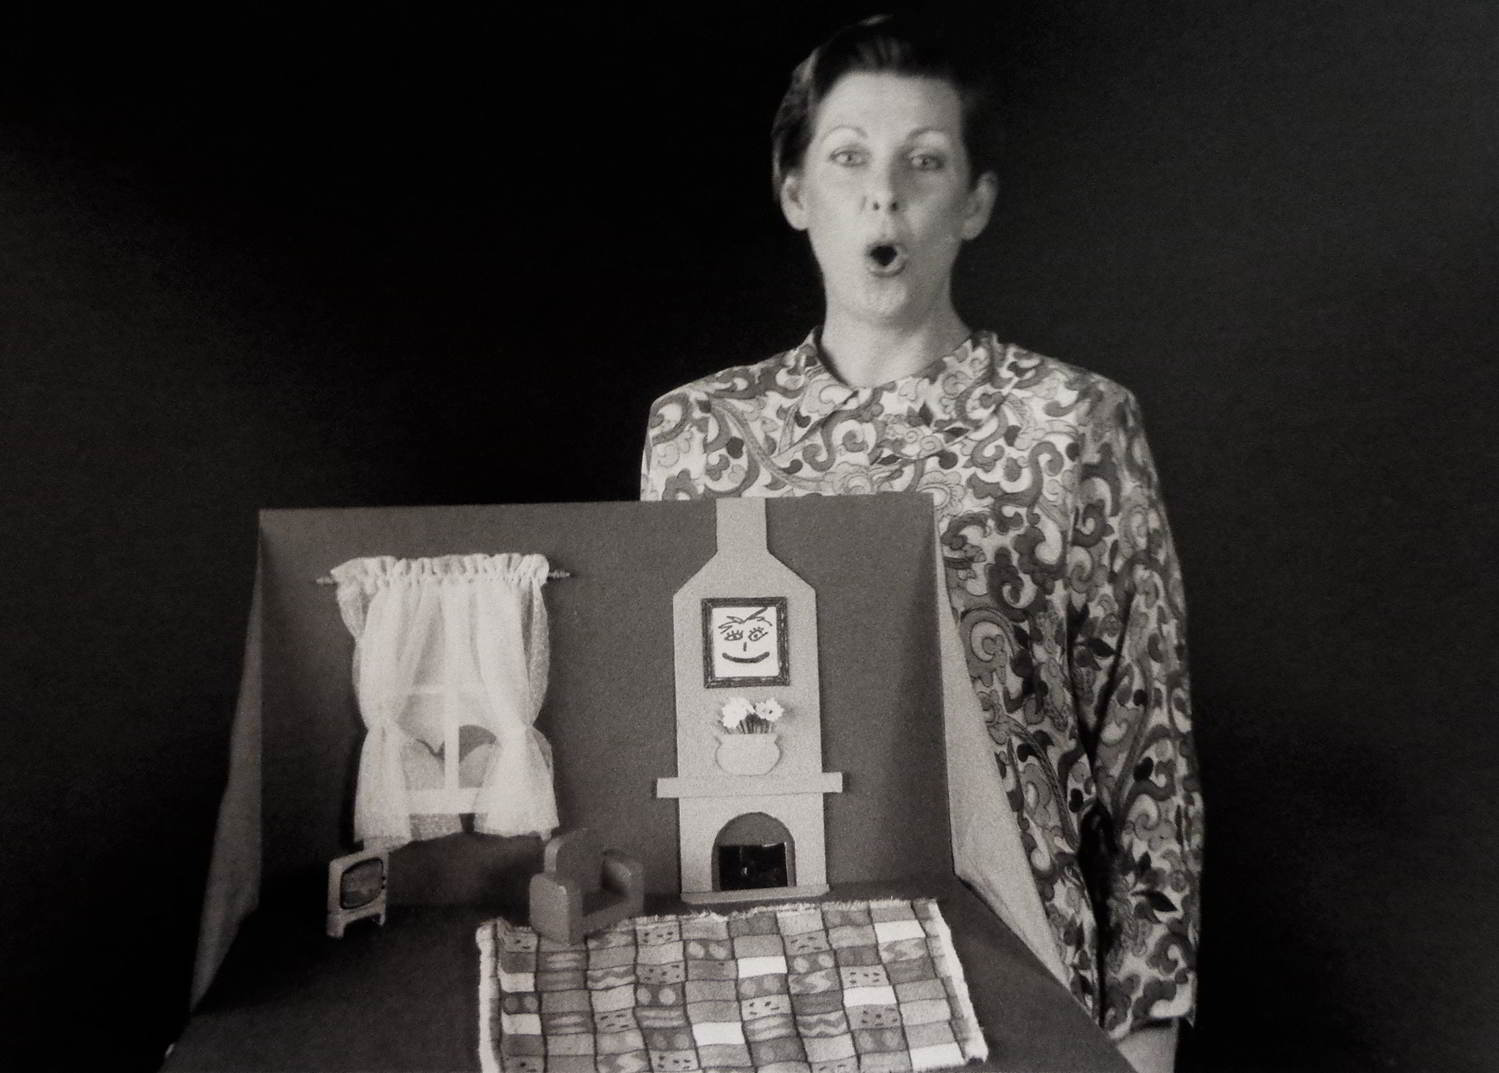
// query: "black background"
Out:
[394,254]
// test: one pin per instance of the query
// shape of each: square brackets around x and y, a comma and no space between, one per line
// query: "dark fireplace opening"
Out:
[754,852]
[752,867]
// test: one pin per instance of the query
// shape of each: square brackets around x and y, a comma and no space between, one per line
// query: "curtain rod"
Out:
[552,575]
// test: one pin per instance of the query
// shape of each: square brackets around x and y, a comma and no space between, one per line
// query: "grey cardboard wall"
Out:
[609,711]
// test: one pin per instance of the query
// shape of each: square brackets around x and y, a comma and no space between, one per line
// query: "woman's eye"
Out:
[847,157]
[926,161]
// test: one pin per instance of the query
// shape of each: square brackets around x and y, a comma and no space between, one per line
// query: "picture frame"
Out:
[745,641]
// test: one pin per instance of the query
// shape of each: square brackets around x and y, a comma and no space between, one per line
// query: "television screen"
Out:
[362,883]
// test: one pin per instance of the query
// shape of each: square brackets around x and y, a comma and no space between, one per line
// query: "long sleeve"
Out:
[1142,844]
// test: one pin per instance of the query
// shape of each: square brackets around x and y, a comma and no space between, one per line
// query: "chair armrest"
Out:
[556,907]
[626,875]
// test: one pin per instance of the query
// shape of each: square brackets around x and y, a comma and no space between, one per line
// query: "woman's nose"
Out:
[881,195]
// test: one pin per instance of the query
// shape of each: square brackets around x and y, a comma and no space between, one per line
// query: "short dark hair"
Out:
[893,44]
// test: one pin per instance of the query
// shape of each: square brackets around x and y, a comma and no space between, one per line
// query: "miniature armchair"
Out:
[584,888]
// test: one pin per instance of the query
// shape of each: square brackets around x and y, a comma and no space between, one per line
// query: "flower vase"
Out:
[747,754]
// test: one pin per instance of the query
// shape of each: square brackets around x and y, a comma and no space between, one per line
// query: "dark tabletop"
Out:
[404,998]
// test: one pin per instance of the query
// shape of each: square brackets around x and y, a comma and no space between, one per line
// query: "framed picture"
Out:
[745,642]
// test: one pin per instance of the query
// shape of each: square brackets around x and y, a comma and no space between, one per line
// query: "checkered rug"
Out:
[845,987]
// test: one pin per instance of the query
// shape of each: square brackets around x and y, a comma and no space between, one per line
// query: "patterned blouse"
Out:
[1068,596]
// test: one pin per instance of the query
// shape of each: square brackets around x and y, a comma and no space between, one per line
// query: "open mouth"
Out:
[884,258]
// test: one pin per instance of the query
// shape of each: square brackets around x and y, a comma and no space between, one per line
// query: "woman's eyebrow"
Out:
[860,131]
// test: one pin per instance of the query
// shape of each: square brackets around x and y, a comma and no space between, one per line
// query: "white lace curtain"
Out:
[450,658]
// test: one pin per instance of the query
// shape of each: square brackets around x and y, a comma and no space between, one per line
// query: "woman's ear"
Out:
[980,205]
[791,201]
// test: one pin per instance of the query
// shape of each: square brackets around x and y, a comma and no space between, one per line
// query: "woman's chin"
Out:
[889,299]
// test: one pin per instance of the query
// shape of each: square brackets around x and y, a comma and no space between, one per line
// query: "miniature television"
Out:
[357,884]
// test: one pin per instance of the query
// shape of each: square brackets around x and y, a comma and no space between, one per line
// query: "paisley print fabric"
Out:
[1067,592]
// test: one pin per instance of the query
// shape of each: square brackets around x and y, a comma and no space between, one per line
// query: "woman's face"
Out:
[884,193]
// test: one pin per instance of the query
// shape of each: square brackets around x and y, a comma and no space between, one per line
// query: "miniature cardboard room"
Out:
[673,718]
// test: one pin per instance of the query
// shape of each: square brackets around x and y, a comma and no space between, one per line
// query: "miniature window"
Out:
[450,668]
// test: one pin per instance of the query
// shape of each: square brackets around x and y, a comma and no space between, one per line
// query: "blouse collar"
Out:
[948,393]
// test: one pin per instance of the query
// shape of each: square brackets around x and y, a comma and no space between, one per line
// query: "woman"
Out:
[1059,563]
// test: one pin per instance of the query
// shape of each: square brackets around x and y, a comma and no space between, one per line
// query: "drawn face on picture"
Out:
[741,638]
[745,640]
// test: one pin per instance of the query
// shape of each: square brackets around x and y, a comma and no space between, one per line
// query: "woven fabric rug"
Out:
[839,987]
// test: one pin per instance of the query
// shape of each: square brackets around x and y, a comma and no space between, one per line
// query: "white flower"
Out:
[735,712]
[770,710]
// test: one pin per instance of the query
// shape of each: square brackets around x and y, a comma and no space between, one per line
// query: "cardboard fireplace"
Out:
[750,793]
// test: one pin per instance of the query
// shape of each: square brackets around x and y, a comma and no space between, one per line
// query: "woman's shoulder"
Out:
[1060,389]
[1038,373]
[739,381]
